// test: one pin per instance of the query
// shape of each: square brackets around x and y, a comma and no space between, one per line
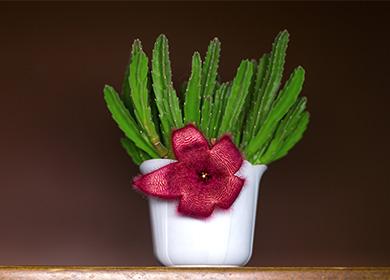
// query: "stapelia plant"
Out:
[264,119]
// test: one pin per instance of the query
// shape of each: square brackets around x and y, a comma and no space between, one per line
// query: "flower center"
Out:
[204,176]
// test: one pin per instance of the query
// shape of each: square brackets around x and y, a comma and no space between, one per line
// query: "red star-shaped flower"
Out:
[202,178]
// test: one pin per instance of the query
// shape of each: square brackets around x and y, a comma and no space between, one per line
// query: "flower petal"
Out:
[156,182]
[224,154]
[229,193]
[183,178]
[188,141]
[195,206]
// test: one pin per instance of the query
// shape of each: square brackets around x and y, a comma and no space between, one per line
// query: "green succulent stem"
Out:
[264,120]
[138,80]
[285,100]
[236,99]
[208,82]
[193,92]
[255,103]
[126,122]
[166,98]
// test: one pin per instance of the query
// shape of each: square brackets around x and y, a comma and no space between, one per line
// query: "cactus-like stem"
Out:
[126,92]
[285,100]
[218,109]
[126,122]
[264,122]
[138,80]
[193,92]
[239,91]
[136,154]
[166,98]
[285,129]
[272,80]
[294,137]
[255,100]
[209,75]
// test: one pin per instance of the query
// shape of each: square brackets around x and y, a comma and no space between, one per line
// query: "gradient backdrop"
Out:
[65,193]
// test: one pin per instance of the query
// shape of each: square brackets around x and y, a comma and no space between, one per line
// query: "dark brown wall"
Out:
[65,194]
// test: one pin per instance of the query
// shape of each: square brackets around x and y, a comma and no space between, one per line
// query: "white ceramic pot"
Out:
[224,239]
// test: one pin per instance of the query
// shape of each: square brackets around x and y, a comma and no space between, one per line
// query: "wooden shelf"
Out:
[164,273]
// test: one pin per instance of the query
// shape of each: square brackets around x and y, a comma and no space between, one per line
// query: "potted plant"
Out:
[202,150]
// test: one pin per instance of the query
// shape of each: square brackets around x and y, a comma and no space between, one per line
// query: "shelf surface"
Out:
[165,273]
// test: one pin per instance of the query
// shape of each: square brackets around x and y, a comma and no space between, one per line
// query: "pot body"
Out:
[223,239]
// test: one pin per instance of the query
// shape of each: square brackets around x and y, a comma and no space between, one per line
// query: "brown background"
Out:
[65,194]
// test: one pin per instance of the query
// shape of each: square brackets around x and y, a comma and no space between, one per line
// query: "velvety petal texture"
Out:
[188,141]
[226,154]
[202,178]
[157,183]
